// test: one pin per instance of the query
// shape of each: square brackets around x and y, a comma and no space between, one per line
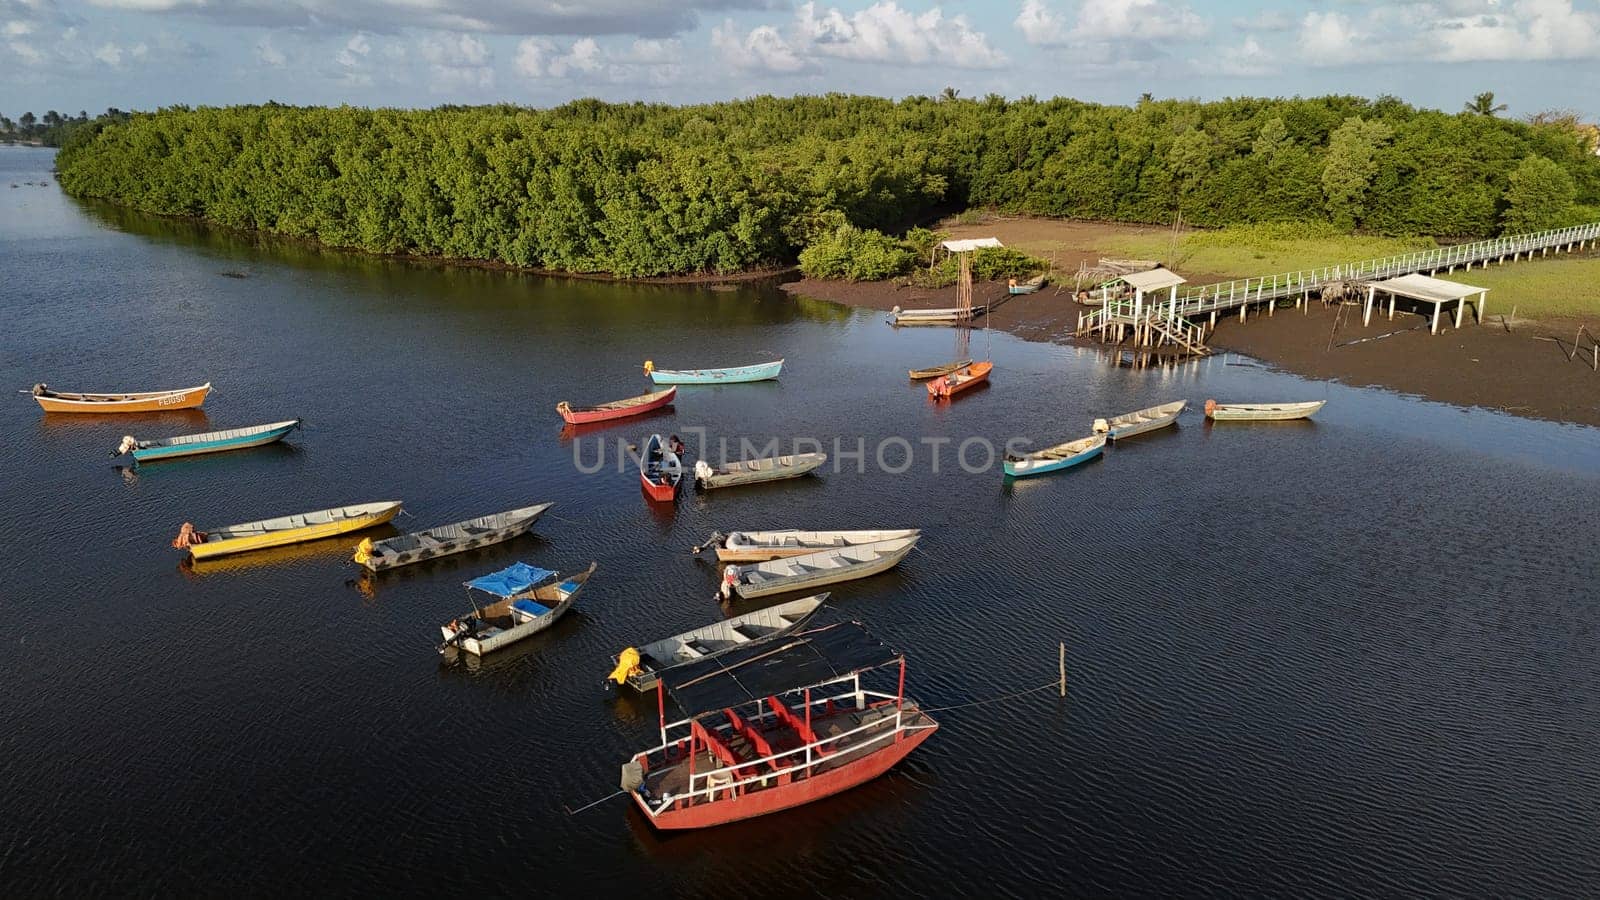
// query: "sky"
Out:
[73,55]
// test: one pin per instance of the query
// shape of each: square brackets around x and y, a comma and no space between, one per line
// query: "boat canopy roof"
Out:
[774,665]
[513,579]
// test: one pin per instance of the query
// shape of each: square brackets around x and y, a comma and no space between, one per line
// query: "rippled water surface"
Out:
[1355,655]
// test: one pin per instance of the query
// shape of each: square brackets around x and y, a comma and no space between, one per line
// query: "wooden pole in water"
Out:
[1063,661]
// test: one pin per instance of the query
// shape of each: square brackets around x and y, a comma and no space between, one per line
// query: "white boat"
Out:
[945,316]
[1130,424]
[445,540]
[1261,412]
[521,611]
[640,667]
[759,546]
[813,570]
[756,471]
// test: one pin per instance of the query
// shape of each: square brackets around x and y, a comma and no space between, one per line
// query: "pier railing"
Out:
[1202,299]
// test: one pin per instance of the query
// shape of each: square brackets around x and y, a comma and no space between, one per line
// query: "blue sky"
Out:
[138,54]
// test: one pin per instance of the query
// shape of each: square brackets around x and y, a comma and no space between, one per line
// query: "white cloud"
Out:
[883,33]
[1101,21]
[269,55]
[1331,39]
[457,61]
[1533,29]
[1248,60]
[644,18]
[355,51]
[654,61]
[1451,31]
[763,49]
[114,55]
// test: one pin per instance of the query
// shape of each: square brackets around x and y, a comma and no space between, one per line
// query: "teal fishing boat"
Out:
[734,375]
[207,442]
[1054,459]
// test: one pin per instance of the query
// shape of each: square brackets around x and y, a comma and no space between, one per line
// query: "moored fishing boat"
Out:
[772,725]
[936,371]
[759,546]
[1054,459]
[639,667]
[1261,412]
[283,530]
[660,470]
[1129,424]
[756,471]
[960,380]
[521,610]
[731,375]
[946,316]
[418,546]
[814,570]
[136,402]
[1032,285]
[617,409]
[207,442]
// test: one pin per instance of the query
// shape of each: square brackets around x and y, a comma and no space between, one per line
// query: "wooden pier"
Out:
[1171,322]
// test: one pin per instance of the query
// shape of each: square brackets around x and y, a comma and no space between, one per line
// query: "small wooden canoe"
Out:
[617,409]
[759,546]
[960,380]
[445,540]
[646,662]
[813,570]
[150,401]
[208,442]
[756,471]
[1261,412]
[946,316]
[660,470]
[1054,459]
[733,375]
[1129,424]
[1032,285]
[517,614]
[936,371]
[284,529]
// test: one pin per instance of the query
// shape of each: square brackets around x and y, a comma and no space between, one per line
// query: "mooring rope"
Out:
[1052,683]
[573,812]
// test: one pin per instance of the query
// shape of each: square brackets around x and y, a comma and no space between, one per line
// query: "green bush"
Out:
[856,254]
[988,264]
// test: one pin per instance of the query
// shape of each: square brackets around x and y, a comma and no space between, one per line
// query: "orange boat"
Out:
[960,380]
[152,401]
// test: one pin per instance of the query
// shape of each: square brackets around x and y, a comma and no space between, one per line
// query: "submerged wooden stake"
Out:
[1063,668]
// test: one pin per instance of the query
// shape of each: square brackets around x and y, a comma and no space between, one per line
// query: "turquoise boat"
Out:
[735,375]
[1054,459]
[208,442]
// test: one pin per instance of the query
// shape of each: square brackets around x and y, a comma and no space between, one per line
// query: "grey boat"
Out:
[756,471]
[718,637]
[418,546]
[813,570]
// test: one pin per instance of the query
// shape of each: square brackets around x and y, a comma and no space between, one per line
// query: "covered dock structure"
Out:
[1425,289]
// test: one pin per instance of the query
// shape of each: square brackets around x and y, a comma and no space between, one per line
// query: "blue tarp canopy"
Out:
[513,579]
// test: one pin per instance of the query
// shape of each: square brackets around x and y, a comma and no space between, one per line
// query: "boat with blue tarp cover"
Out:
[731,375]
[521,609]
[773,724]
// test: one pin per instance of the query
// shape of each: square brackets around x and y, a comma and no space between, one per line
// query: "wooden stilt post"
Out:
[1063,659]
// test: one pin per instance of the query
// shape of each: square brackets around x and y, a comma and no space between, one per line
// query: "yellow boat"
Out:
[283,530]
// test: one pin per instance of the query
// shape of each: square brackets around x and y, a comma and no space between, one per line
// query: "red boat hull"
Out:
[979,372]
[799,793]
[585,416]
[661,493]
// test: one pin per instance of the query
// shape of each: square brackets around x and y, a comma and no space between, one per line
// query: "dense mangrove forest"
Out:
[638,189]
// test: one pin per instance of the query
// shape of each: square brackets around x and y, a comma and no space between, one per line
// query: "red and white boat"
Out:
[771,725]
[616,409]
[660,470]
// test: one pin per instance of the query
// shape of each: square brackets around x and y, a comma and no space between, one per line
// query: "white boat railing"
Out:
[1210,298]
[727,779]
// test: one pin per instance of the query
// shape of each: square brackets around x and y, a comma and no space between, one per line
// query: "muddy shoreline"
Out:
[1516,366]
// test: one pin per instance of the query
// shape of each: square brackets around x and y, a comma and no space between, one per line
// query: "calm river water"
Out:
[1351,656]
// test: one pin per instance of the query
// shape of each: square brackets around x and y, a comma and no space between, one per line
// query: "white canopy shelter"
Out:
[1428,290]
[1153,280]
[967,245]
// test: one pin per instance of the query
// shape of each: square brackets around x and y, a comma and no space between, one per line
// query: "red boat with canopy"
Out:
[771,725]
